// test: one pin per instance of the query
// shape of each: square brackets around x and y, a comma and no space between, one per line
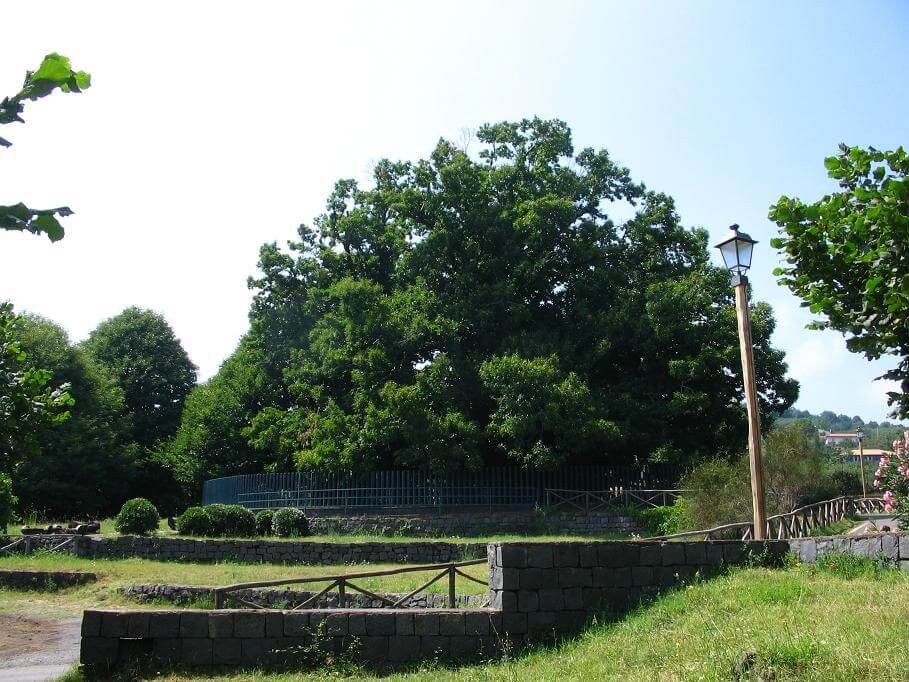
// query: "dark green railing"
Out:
[491,487]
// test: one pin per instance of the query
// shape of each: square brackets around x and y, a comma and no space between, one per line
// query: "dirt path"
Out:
[36,649]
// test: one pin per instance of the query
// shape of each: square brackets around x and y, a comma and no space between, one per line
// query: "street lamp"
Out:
[861,436]
[736,252]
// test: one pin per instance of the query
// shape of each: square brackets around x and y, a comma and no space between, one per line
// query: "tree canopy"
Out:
[468,311]
[85,465]
[140,351]
[54,72]
[847,256]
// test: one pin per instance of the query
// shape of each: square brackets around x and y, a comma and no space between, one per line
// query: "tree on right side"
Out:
[847,257]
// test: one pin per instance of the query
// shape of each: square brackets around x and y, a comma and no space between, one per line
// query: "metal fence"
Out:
[491,487]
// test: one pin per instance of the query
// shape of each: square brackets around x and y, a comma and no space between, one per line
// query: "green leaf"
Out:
[831,163]
[83,80]
[54,68]
[873,284]
[50,226]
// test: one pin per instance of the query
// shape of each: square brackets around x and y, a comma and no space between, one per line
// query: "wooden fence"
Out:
[795,524]
[613,499]
[343,582]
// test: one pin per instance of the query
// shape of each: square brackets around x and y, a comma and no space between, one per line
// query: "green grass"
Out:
[802,623]
[117,573]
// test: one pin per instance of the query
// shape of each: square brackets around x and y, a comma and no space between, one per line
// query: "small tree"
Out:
[848,256]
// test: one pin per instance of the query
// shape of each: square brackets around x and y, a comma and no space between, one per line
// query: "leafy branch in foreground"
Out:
[55,72]
[847,256]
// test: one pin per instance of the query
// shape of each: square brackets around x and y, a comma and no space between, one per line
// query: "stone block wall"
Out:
[275,551]
[893,547]
[546,587]
[44,580]
[254,638]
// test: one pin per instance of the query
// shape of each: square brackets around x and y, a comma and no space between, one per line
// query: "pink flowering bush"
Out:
[892,479]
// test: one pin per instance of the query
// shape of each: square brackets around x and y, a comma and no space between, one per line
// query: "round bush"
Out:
[239,521]
[137,516]
[290,523]
[195,522]
[263,522]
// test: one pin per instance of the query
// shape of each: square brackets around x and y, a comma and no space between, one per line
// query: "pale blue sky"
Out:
[215,126]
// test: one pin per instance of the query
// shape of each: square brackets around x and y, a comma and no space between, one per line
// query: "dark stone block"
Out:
[193,624]
[426,624]
[651,554]
[890,547]
[91,624]
[614,554]
[641,575]
[296,624]
[336,624]
[274,625]
[114,624]
[380,624]
[734,552]
[404,624]
[540,622]
[168,650]
[197,651]
[714,554]
[356,624]
[137,625]
[451,624]
[550,600]
[575,577]
[464,647]
[622,577]
[528,600]
[431,645]
[591,598]
[673,554]
[587,555]
[220,625]
[539,556]
[565,555]
[512,556]
[226,651]
[250,625]
[514,623]
[536,578]
[373,648]
[476,623]
[403,648]
[573,598]
[695,553]
[570,621]
[904,546]
[100,652]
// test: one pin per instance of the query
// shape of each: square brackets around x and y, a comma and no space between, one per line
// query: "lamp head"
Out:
[736,252]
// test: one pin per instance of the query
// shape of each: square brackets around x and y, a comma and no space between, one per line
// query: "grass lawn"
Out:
[802,623]
[116,573]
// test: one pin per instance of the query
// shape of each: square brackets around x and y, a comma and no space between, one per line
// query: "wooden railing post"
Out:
[451,587]
[342,595]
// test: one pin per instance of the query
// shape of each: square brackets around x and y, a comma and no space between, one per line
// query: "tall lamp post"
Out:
[736,252]
[861,436]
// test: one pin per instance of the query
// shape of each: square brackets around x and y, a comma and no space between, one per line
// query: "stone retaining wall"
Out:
[185,594]
[255,638]
[475,523]
[892,547]
[44,580]
[275,551]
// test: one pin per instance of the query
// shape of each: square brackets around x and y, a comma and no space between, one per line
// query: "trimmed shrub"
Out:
[663,520]
[8,502]
[263,522]
[290,523]
[217,521]
[194,522]
[137,516]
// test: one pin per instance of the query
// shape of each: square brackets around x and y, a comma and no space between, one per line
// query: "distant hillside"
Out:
[877,434]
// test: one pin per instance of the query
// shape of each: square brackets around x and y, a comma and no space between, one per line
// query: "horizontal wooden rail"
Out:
[343,581]
[796,523]
[609,499]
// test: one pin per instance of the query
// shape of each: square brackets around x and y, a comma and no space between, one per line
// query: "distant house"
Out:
[871,455]
[838,438]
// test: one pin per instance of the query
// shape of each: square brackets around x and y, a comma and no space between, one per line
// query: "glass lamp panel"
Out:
[744,248]
[729,253]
